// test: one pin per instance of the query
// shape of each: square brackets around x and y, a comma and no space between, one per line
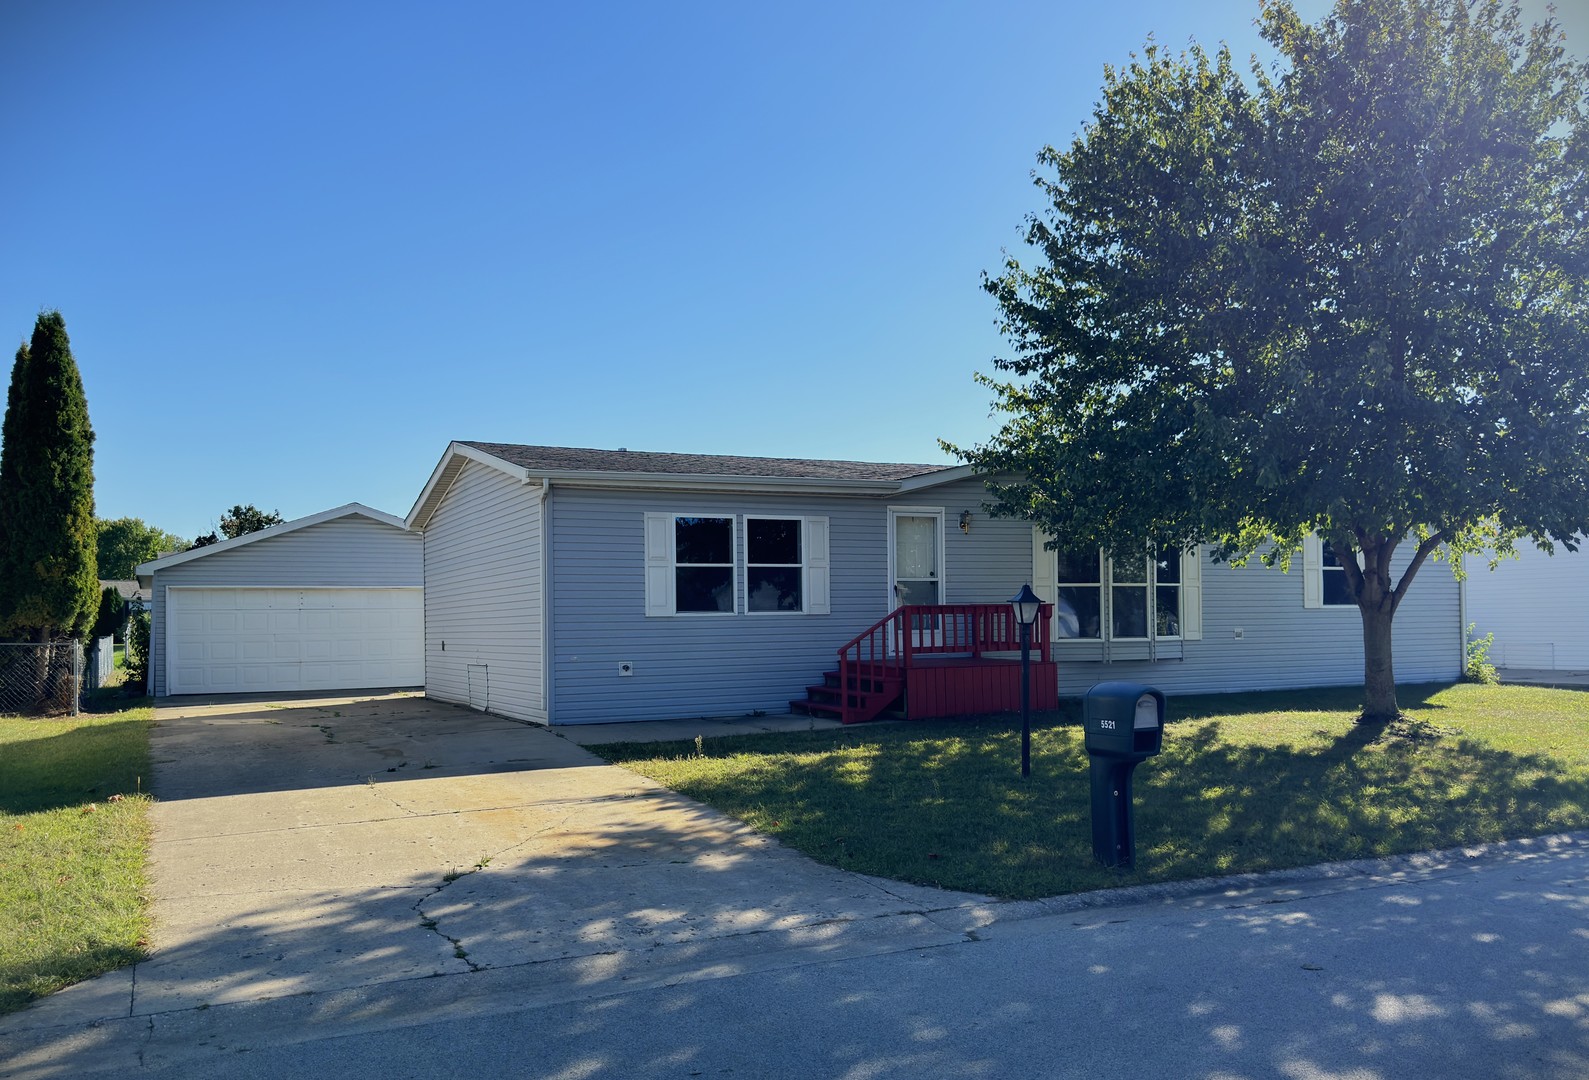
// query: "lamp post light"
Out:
[1026,605]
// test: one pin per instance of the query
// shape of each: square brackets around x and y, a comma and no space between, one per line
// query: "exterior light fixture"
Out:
[1026,604]
[965,521]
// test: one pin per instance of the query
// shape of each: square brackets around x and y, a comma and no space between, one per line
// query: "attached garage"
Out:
[334,601]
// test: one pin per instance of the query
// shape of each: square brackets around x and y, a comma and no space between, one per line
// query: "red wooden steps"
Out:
[865,699]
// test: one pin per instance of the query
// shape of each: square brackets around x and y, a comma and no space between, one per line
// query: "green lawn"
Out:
[74,836]
[1246,782]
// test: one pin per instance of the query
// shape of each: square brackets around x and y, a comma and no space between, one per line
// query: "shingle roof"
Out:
[573,459]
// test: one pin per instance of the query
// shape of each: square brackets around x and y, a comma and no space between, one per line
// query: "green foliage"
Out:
[49,583]
[136,664]
[240,520]
[125,542]
[1346,295]
[112,613]
[1478,668]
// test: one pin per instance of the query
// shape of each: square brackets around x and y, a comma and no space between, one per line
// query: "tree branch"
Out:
[1425,549]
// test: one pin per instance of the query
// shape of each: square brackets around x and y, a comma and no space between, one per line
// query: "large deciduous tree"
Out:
[48,581]
[1343,294]
[125,542]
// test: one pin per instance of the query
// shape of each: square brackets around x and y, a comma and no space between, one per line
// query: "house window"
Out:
[1334,588]
[1140,592]
[774,568]
[1167,594]
[703,561]
[725,564]
[1079,613]
[1128,600]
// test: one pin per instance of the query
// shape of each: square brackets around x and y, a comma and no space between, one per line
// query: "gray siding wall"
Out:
[350,551]
[483,596]
[718,665]
[1285,645]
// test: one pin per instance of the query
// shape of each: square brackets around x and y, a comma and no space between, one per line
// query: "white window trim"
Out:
[1045,582]
[661,564]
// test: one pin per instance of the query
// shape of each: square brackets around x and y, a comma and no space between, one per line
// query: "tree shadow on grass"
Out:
[67,764]
[943,804]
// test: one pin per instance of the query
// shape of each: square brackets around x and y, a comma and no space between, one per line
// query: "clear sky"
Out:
[301,246]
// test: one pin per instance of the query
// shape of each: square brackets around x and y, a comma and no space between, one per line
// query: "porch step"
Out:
[863,699]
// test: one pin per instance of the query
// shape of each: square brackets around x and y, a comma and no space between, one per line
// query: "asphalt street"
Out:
[1467,964]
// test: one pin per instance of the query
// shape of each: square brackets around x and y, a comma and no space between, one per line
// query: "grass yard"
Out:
[1246,782]
[74,834]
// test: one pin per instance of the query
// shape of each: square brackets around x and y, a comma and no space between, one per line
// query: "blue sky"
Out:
[300,246]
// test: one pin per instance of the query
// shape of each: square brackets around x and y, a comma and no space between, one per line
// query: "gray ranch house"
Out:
[573,586]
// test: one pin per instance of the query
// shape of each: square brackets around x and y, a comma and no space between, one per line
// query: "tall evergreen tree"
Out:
[48,576]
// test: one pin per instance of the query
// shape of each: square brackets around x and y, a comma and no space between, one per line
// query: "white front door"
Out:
[916,568]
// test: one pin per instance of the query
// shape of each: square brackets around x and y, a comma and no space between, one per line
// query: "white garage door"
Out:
[224,641]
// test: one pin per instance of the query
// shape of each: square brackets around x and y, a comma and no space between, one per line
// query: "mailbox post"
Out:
[1123,725]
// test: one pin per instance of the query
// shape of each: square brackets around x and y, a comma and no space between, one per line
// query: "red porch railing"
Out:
[873,665]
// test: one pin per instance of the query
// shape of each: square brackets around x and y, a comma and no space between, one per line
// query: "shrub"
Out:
[137,661]
[1479,669]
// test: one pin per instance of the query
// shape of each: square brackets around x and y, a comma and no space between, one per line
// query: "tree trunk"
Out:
[1379,676]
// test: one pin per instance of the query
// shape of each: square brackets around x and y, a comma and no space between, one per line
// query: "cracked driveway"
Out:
[326,844]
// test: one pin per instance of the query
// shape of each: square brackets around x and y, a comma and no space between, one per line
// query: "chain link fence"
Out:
[41,680]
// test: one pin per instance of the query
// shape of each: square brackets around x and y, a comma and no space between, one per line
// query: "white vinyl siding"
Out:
[1536,605]
[353,551]
[483,613]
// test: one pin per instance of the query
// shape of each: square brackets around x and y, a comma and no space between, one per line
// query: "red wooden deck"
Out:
[932,660]
[959,686]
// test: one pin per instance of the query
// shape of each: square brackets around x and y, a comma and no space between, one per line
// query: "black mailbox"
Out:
[1123,720]
[1122,725]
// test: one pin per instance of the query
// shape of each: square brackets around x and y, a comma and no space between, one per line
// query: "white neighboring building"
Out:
[1536,605]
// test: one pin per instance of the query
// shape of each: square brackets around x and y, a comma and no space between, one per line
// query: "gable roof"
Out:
[177,559]
[645,468]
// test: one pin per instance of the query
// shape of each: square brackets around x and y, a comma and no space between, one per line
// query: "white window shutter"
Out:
[814,540]
[1192,594]
[1045,576]
[659,564]
[1312,571]
[1043,566]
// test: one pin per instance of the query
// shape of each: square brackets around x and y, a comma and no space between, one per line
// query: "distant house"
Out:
[1536,605]
[571,586]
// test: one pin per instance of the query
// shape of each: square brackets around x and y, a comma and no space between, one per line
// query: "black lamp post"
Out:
[1026,605]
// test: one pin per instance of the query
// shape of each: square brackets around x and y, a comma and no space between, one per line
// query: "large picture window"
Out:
[1120,599]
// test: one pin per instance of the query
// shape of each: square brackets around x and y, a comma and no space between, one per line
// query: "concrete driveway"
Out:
[332,843]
